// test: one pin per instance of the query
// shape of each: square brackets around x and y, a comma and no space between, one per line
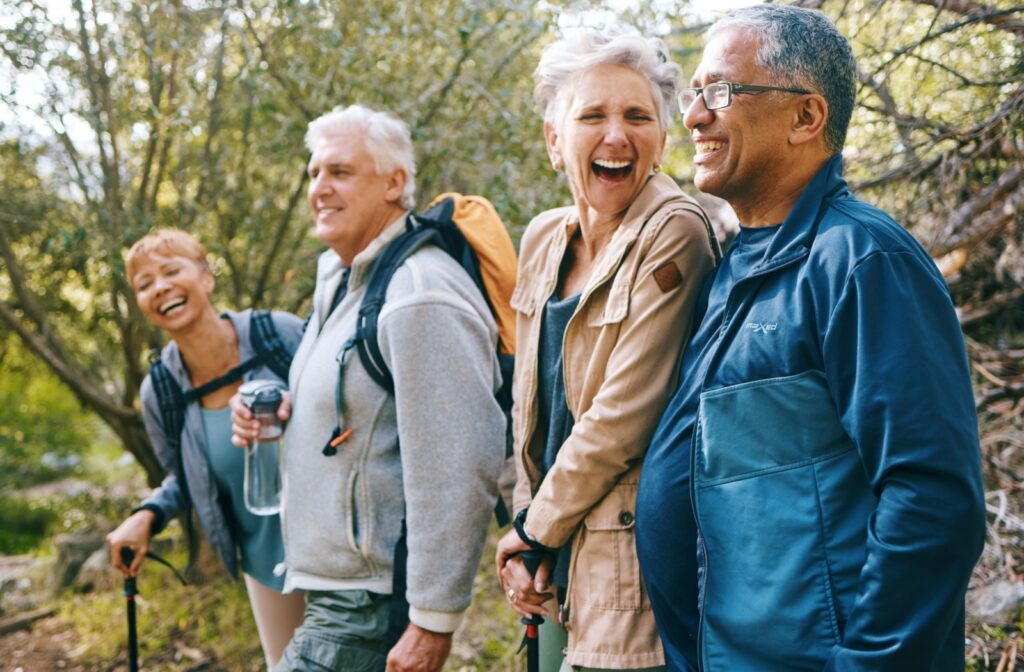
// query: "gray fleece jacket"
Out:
[342,515]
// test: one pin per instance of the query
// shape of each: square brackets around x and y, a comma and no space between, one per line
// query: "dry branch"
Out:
[997,18]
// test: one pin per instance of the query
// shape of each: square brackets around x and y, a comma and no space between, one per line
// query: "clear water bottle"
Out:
[262,485]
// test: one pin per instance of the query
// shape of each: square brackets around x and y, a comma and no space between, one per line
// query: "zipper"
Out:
[702,549]
[734,305]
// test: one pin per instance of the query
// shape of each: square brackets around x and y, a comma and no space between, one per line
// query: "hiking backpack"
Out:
[469,229]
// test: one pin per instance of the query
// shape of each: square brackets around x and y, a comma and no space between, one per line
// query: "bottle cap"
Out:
[262,396]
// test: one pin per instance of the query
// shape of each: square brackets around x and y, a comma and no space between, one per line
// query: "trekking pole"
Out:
[130,591]
[531,638]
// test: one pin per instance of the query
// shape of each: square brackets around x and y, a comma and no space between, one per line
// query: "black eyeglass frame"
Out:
[732,88]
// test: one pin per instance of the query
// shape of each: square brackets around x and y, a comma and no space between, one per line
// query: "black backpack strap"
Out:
[170,399]
[172,403]
[267,343]
[373,301]
[197,393]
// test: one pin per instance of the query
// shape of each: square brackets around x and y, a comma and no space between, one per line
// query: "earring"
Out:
[657,168]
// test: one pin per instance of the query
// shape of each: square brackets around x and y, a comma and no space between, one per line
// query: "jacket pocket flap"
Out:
[615,310]
[616,510]
[617,519]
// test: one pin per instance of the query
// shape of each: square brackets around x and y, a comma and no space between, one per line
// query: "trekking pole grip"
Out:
[130,591]
[127,557]
[532,560]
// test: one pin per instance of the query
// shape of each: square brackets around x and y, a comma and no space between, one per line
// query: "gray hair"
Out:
[803,48]
[387,139]
[584,48]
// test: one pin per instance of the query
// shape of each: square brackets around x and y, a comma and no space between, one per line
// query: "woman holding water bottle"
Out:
[212,353]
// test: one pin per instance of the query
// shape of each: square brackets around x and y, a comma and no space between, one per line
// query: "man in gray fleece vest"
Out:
[342,514]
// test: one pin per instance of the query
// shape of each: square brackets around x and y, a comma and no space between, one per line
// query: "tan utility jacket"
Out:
[621,355]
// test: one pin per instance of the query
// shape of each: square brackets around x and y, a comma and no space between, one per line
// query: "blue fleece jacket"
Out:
[812,497]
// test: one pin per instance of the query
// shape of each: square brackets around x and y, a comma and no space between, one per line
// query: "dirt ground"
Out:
[50,645]
[45,647]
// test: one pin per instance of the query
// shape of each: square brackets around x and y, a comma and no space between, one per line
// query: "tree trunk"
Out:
[133,435]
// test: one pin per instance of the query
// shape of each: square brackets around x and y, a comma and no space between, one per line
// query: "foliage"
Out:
[23,525]
[143,113]
[42,425]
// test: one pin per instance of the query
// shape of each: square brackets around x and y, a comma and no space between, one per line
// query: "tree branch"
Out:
[156,89]
[283,226]
[988,307]
[997,18]
[891,110]
[977,218]
[1009,392]
[88,393]
[32,310]
[294,95]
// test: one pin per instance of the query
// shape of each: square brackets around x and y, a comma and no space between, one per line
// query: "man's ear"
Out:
[809,119]
[551,138]
[397,179]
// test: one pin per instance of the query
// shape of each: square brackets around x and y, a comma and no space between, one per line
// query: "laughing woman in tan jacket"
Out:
[604,301]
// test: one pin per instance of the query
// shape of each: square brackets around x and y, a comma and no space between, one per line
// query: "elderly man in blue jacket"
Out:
[812,498]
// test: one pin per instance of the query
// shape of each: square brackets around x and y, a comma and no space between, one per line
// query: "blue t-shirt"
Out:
[666,529]
[258,537]
[553,415]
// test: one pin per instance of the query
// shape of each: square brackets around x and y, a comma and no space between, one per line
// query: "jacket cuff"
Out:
[436,621]
[159,517]
[518,524]
[545,529]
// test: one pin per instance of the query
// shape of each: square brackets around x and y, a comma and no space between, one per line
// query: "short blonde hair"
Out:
[167,242]
[584,48]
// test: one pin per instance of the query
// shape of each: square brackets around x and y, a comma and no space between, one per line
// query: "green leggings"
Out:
[553,640]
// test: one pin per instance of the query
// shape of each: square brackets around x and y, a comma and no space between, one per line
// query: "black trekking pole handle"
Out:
[531,638]
[130,591]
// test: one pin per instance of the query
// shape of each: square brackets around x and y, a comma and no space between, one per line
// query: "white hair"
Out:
[584,48]
[387,139]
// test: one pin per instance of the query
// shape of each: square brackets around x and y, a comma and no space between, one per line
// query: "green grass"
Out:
[212,617]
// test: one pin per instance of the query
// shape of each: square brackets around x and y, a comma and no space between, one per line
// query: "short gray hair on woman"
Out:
[802,47]
[387,139]
[584,48]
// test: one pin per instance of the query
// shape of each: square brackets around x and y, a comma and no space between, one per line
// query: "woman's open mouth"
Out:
[613,171]
[171,305]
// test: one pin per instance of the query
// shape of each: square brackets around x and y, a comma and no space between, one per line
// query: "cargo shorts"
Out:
[343,630]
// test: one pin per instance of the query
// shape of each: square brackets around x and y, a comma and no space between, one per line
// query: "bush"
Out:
[43,428]
[24,525]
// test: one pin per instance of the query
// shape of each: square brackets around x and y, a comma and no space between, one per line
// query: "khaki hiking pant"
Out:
[344,631]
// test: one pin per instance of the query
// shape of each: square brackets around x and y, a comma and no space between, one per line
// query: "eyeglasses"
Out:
[719,94]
